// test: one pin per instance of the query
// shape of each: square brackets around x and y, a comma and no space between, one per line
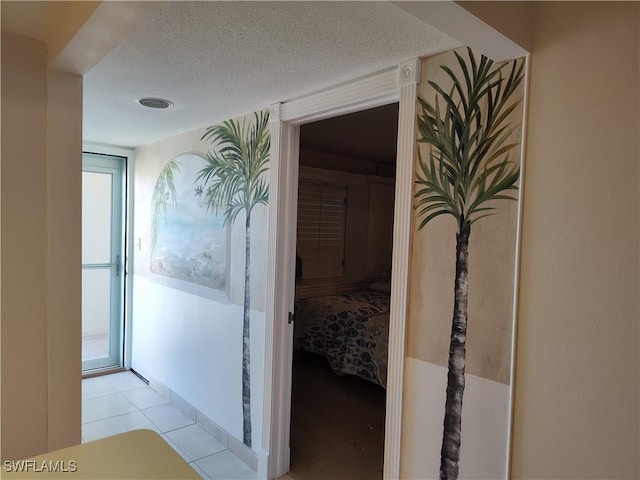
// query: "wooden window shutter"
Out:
[321,229]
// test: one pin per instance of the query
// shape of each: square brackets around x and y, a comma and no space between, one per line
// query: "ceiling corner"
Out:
[104,30]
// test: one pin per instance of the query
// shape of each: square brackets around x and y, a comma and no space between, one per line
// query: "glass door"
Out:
[102,260]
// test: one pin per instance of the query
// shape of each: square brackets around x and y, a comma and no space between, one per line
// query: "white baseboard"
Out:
[232,444]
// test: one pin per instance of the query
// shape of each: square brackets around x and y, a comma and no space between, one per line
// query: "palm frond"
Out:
[468,132]
[236,165]
[164,192]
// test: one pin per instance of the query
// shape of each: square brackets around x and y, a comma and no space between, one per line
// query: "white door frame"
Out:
[398,84]
[129,154]
[114,168]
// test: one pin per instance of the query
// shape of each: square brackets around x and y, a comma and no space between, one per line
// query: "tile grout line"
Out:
[115,393]
[117,415]
[207,434]
[167,431]
[170,442]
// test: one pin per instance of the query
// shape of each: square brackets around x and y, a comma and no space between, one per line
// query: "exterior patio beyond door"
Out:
[102,261]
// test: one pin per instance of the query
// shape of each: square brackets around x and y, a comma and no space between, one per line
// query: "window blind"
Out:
[321,229]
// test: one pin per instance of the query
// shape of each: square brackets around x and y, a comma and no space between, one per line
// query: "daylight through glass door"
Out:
[102,260]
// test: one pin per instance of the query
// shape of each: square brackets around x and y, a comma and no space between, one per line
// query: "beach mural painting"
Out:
[188,242]
[467,172]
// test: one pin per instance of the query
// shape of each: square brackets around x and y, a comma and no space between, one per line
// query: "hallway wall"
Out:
[40,252]
[188,289]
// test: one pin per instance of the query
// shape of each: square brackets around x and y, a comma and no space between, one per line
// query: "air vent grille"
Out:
[155,102]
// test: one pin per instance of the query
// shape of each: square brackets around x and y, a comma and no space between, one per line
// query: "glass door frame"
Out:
[116,166]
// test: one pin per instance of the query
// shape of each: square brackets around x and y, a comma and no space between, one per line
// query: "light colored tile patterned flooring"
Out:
[120,402]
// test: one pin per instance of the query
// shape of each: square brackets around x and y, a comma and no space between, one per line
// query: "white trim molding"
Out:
[389,86]
[516,283]
[368,92]
[409,73]
[273,461]
[409,78]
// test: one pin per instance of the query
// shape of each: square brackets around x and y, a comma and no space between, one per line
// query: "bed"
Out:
[350,330]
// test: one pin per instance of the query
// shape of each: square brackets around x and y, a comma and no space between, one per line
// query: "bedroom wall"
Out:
[369,215]
[329,161]
[368,230]
[188,337]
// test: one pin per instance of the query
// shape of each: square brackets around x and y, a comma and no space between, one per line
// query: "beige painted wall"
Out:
[64,210]
[512,19]
[55,23]
[41,151]
[576,386]
[24,247]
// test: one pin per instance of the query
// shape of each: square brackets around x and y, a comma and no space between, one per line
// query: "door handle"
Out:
[117,265]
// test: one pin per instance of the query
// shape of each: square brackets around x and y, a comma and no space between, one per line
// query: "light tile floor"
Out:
[120,402]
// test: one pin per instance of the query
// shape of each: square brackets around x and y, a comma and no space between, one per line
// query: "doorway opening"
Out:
[103,261]
[344,249]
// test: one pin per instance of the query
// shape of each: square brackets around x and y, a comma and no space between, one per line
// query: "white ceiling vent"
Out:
[155,102]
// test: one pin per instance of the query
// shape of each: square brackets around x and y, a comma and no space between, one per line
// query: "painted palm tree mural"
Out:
[233,180]
[164,193]
[468,132]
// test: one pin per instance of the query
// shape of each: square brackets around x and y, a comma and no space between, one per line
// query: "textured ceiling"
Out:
[217,60]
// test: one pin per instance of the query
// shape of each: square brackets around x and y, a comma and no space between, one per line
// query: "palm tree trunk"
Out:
[450,453]
[246,340]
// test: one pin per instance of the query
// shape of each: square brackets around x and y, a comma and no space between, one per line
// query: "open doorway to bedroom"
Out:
[343,265]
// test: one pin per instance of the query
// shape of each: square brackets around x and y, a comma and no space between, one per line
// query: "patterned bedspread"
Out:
[351,331]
